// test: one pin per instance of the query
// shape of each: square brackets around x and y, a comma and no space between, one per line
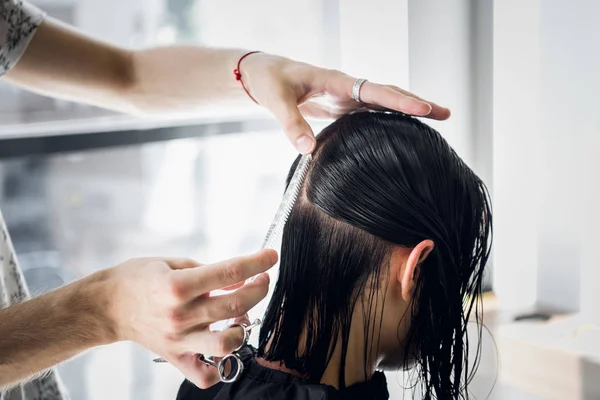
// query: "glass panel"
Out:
[73,214]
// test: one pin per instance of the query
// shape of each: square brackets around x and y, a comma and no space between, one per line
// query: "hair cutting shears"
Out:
[231,366]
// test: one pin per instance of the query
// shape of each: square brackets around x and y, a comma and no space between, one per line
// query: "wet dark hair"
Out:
[379,181]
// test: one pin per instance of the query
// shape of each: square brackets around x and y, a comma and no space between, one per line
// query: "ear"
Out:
[410,272]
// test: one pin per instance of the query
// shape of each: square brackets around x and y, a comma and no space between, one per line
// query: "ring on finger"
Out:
[356,89]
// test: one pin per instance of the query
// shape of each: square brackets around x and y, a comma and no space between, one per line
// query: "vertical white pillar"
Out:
[441,65]
[568,79]
[546,138]
[572,61]
[517,154]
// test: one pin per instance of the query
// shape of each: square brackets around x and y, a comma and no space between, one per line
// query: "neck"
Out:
[357,369]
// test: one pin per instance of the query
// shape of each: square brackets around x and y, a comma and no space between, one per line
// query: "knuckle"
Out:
[236,307]
[203,314]
[233,272]
[175,321]
[336,73]
[135,261]
[175,288]
[189,263]
[170,340]
[293,121]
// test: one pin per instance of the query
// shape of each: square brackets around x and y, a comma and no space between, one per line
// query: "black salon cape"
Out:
[260,383]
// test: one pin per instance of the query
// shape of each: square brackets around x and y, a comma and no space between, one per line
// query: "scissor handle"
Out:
[235,372]
[247,331]
[207,360]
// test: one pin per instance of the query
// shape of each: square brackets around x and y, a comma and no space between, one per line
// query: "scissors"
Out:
[233,359]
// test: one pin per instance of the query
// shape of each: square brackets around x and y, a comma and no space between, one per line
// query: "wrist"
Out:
[237,72]
[92,298]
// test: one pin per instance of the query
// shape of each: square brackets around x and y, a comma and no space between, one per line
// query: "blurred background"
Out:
[83,189]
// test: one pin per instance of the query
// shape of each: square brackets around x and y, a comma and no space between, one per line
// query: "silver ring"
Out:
[246,333]
[238,371]
[356,89]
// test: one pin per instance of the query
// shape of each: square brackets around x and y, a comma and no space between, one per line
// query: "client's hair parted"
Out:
[379,181]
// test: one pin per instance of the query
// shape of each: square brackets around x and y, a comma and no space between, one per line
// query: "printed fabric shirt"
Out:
[18,23]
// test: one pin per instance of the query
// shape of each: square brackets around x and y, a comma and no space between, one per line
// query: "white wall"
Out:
[571,75]
[482,85]
[517,139]
[450,59]
[440,65]
[546,134]
[363,36]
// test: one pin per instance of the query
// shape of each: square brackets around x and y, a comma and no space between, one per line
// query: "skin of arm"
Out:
[63,63]
[42,332]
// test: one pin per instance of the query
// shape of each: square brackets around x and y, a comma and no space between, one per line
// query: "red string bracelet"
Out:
[238,74]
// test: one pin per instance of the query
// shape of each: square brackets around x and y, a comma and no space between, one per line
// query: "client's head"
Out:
[382,257]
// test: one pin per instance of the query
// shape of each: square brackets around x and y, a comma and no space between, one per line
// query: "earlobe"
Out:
[410,273]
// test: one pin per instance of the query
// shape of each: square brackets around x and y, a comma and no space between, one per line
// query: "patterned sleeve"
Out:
[13,290]
[18,22]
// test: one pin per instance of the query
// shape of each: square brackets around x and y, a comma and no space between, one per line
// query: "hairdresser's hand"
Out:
[164,305]
[292,90]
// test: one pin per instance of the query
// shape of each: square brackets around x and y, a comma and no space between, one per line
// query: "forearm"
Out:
[182,78]
[64,63]
[40,333]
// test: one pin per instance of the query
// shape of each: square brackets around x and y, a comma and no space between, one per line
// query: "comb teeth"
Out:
[287,203]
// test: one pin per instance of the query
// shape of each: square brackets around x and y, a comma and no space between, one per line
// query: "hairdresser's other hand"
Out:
[293,90]
[165,306]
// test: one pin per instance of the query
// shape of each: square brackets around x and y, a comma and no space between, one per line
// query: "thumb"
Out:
[295,126]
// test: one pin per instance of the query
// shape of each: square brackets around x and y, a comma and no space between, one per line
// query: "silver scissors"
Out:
[232,360]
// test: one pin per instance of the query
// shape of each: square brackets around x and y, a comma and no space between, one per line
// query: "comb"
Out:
[287,203]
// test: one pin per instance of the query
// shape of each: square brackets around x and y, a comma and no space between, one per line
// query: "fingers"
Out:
[339,85]
[217,344]
[194,282]
[372,93]
[295,126]
[437,112]
[234,286]
[181,263]
[206,310]
[214,343]
[196,371]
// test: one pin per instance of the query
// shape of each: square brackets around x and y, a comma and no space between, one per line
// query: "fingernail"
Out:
[274,257]
[263,276]
[429,108]
[304,144]
[267,277]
